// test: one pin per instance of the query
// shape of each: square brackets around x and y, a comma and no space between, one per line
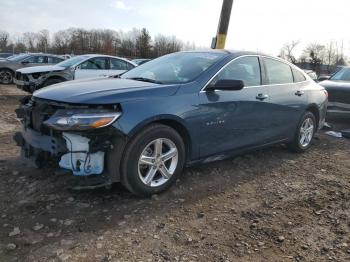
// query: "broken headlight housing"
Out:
[81,119]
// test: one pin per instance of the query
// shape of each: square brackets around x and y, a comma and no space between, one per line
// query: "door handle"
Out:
[299,93]
[262,97]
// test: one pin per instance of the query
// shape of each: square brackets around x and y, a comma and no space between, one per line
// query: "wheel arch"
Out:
[313,108]
[55,77]
[7,68]
[172,121]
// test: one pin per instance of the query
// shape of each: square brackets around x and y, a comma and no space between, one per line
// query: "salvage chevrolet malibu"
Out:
[143,127]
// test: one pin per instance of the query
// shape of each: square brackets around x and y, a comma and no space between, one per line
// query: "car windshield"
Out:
[17,58]
[10,57]
[72,61]
[343,75]
[175,68]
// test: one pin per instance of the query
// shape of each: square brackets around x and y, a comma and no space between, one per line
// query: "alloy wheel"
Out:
[5,77]
[158,162]
[306,132]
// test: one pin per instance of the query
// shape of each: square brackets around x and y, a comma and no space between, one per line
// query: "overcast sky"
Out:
[263,25]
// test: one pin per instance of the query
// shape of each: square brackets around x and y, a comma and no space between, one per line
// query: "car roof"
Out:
[229,51]
[100,55]
[37,54]
[140,59]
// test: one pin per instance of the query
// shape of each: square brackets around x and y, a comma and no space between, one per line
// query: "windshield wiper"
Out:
[145,80]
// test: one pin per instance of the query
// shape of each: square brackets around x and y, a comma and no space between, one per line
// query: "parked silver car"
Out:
[78,67]
[10,65]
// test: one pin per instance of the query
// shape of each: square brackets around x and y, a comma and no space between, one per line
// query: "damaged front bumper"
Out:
[71,151]
[85,153]
[27,82]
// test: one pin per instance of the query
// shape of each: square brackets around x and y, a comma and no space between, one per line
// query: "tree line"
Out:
[136,43]
[321,58]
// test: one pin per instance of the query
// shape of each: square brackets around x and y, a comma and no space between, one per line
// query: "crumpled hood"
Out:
[103,91]
[40,69]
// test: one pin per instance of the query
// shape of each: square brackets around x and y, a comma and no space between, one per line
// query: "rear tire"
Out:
[6,76]
[304,133]
[153,160]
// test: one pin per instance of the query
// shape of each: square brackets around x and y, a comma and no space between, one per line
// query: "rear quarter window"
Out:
[298,76]
[278,72]
[118,64]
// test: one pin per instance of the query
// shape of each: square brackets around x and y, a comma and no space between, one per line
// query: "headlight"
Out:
[81,119]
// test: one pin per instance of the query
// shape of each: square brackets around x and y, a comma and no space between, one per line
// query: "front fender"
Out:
[181,109]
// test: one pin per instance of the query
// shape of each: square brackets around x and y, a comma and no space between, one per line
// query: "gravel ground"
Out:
[270,205]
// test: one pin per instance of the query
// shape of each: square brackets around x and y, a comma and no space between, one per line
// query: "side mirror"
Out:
[322,78]
[226,85]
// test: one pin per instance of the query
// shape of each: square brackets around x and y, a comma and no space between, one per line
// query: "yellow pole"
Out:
[223,24]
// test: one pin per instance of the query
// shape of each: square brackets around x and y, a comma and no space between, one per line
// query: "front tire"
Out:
[153,160]
[304,134]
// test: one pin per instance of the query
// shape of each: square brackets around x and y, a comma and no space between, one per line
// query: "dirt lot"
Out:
[270,205]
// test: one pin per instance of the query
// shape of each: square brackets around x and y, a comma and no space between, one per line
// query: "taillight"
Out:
[326,93]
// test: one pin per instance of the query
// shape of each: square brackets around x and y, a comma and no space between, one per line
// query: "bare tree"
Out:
[61,42]
[287,51]
[43,41]
[131,44]
[30,40]
[330,53]
[165,45]
[315,54]
[143,44]
[4,40]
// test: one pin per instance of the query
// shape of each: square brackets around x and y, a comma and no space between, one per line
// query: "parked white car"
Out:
[78,67]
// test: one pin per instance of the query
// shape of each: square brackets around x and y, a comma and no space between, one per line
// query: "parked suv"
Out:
[10,65]
[180,109]
[79,67]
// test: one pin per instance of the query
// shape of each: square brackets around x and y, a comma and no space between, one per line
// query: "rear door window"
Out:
[97,63]
[118,64]
[54,60]
[36,60]
[278,72]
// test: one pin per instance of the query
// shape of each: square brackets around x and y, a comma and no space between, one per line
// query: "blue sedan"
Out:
[141,128]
